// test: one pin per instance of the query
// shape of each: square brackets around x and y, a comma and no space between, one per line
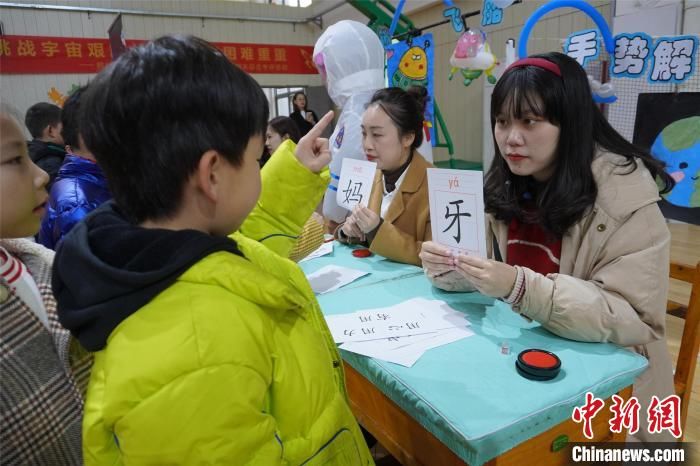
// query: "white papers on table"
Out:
[400,333]
[413,347]
[332,277]
[355,183]
[457,209]
[324,249]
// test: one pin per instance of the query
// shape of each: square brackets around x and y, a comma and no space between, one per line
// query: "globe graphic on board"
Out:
[678,145]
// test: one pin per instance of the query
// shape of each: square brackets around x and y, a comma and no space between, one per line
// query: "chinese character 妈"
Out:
[353,194]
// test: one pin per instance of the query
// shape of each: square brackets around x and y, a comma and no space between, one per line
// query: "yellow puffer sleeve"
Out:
[290,193]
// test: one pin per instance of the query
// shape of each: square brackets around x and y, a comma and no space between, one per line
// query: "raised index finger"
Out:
[319,127]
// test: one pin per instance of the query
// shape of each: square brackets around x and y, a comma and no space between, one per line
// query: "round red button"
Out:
[361,253]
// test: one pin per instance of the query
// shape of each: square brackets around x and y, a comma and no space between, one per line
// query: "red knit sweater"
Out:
[529,245]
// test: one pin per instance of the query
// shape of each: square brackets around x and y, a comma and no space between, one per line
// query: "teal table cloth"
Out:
[468,394]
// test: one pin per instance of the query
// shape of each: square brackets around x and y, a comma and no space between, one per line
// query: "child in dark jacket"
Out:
[80,186]
[46,149]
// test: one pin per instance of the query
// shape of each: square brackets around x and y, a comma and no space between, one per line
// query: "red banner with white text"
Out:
[60,55]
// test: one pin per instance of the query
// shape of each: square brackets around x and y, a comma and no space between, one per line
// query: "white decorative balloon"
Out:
[350,58]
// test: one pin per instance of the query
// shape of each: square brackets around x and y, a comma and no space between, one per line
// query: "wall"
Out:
[347,11]
[691,22]
[462,107]
[22,91]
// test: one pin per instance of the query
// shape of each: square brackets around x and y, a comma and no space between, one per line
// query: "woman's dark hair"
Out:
[405,108]
[70,117]
[294,100]
[284,125]
[567,103]
[150,116]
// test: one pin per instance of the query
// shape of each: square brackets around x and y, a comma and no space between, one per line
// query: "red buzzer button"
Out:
[361,253]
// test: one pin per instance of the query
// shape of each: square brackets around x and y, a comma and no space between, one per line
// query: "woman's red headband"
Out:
[538,62]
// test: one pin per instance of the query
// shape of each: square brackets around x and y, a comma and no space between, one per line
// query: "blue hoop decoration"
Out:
[579,5]
[395,19]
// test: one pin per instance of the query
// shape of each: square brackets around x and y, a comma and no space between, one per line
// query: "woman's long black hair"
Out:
[567,103]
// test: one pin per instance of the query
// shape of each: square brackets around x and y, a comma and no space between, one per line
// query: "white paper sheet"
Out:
[457,209]
[355,184]
[323,250]
[408,355]
[412,317]
[332,277]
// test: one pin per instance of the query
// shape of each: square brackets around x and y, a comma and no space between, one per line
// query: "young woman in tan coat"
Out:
[396,220]
[576,239]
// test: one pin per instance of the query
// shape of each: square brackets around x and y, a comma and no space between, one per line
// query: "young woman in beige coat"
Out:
[576,239]
[397,220]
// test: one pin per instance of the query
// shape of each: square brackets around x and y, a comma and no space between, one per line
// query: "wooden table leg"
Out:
[398,432]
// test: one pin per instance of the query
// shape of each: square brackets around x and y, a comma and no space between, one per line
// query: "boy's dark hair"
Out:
[566,102]
[150,115]
[70,117]
[405,108]
[284,125]
[41,115]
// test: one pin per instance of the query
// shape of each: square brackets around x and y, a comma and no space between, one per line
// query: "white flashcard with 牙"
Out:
[457,209]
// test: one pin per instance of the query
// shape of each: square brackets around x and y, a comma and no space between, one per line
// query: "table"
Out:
[464,402]
[380,269]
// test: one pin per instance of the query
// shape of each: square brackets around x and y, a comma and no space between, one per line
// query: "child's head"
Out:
[70,119]
[177,129]
[279,129]
[299,101]
[22,184]
[392,125]
[43,120]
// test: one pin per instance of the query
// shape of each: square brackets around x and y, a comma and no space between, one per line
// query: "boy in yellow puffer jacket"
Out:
[210,347]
